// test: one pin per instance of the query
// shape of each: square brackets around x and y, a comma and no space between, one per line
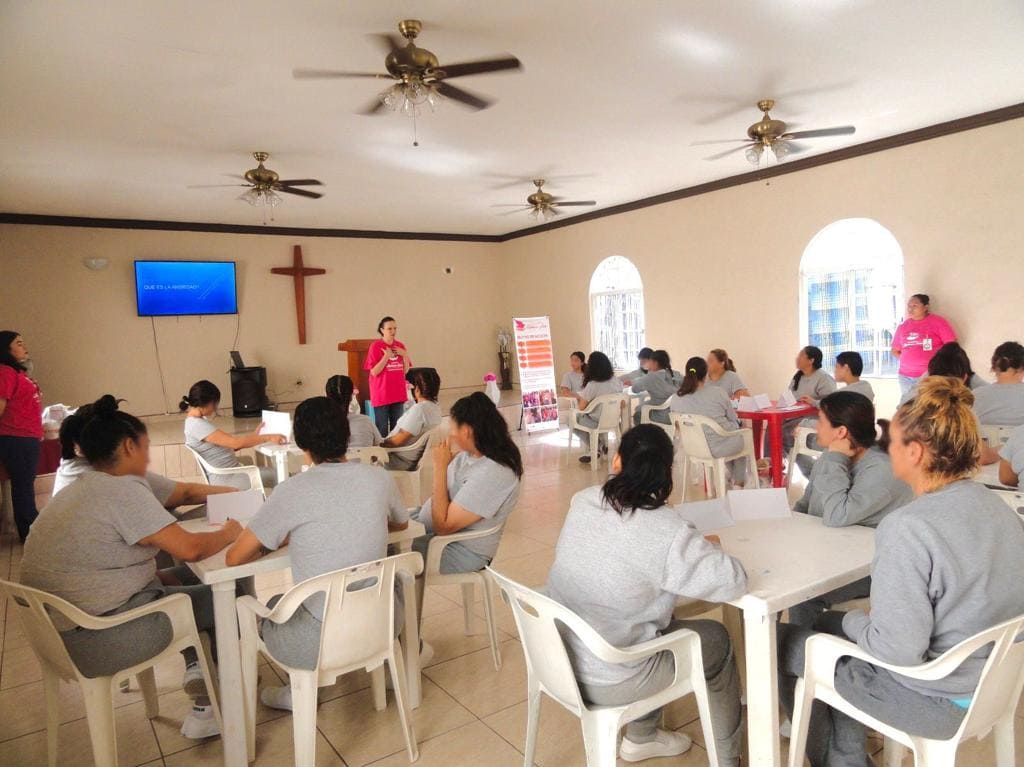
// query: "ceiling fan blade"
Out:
[372,108]
[843,130]
[518,209]
[507,205]
[320,74]
[213,186]
[300,182]
[480,67]
[389,41]
[720,141]
[796,148]
[299,192]
[554,211]
[728,152]
[463,96]
[561,203]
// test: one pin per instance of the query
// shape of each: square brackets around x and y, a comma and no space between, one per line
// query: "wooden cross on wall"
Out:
[298,272]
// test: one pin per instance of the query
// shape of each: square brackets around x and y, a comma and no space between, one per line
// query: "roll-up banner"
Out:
[536,372]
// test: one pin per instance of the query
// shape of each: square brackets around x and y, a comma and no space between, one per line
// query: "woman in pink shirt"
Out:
[917,339]
[387,360]
[21,428]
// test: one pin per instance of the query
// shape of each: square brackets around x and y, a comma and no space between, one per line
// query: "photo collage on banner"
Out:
[536,372]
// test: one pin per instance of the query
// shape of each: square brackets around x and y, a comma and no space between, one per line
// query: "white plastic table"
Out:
[788,561]
[989,475]
[280,455]
[214,572]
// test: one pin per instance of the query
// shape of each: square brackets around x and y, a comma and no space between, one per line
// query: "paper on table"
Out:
[241,506]
[763,401]
[787,398]
[276,422]
[766,503]
[707,515]
[748,404]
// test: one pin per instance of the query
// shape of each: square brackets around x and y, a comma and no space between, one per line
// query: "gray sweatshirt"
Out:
[623,574]
[860,387]
[947,566]
[817,386]
[843,493]
[659,385]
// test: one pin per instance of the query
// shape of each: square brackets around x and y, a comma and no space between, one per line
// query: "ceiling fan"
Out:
[264,183]
[770,134]
[543,205]
[419,77]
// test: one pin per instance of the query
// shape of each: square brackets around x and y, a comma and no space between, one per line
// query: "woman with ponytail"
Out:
[697,398]
[623,559]
[722,373]
[423,416]
[810,383]
[218,447]
[95,545]
[659,382]
[362,429]
[947,566]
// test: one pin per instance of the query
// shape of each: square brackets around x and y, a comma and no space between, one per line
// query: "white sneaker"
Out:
[200,724]
[786,728]
[192,682]
[277,697]
[665,743]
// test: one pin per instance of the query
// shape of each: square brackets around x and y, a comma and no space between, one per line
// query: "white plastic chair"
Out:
[432,576]
[549,671]
[996,436]
[1013,499]
[697,451]
[252,472]
[415,485]
[801,437]
[993,705]
[358,632]
[609,422]
[35,607]
[372,456]
[645,417]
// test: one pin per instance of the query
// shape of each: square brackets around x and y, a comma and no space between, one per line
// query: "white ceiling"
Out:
[112,108]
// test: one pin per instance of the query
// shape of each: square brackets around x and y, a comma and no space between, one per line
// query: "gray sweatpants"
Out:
[833,738]
[723,690]
[807,613]
[108,651]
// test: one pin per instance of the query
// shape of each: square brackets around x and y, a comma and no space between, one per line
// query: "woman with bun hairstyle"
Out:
[918,338]
[362,429]
[218,447]
[850,484]
[388,361]
[722,373]
[95,545]
[1002,403]
[697,398]
[21,428]
[947,565]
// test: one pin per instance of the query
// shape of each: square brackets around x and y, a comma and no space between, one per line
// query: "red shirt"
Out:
[23,416]
[389,385]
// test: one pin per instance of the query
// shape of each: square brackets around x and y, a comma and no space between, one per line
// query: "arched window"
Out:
[617,311]
[851,293]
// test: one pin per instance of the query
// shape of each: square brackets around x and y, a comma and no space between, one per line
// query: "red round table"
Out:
[774,417]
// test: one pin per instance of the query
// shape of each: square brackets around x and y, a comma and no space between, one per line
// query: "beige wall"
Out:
[719,270]
[85,337]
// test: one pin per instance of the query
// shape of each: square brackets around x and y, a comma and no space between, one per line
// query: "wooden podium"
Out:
[357,349]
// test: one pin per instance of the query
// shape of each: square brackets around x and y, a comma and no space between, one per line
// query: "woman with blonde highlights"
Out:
[947,566]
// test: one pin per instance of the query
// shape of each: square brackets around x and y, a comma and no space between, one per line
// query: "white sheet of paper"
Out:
[763,401]
[765,503]
[748,404]
[276,422]
[707,515]
[787,398]
[241,506]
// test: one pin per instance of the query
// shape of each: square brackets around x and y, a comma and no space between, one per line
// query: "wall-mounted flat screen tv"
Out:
[175,288]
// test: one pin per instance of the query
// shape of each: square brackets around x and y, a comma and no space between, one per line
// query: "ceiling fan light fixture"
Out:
[780,148]
[753,154]
[409,96]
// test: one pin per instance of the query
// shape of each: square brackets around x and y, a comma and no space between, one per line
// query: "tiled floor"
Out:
[471,714]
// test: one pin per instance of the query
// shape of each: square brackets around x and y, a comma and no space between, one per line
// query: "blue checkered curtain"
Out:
[839,319]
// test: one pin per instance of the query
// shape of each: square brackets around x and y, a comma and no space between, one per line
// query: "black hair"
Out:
[72,426]
[6,358]
[854,411]
[201,394]
[380,325]
[426,380]
[645,354]
[815,355]
[645,480]
[852,360]
[106,430]
[923,298]
[583,361]
[663,360]
[599,368]
[951,360]
[490,430]
[321,427]
[339,388]
[696,371]
[1009,355]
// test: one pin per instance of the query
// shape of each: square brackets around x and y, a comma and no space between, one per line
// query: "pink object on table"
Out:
[774,417]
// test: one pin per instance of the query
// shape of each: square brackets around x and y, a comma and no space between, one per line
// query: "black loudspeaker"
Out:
[248,392]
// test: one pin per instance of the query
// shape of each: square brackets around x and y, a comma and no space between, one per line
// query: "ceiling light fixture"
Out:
[262,196]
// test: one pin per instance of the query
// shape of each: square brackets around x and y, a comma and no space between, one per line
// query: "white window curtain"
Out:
[617,311]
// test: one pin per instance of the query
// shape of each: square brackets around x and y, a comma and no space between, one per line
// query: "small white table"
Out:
[788,561]
[214,572]
[280,455]
[989,475]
